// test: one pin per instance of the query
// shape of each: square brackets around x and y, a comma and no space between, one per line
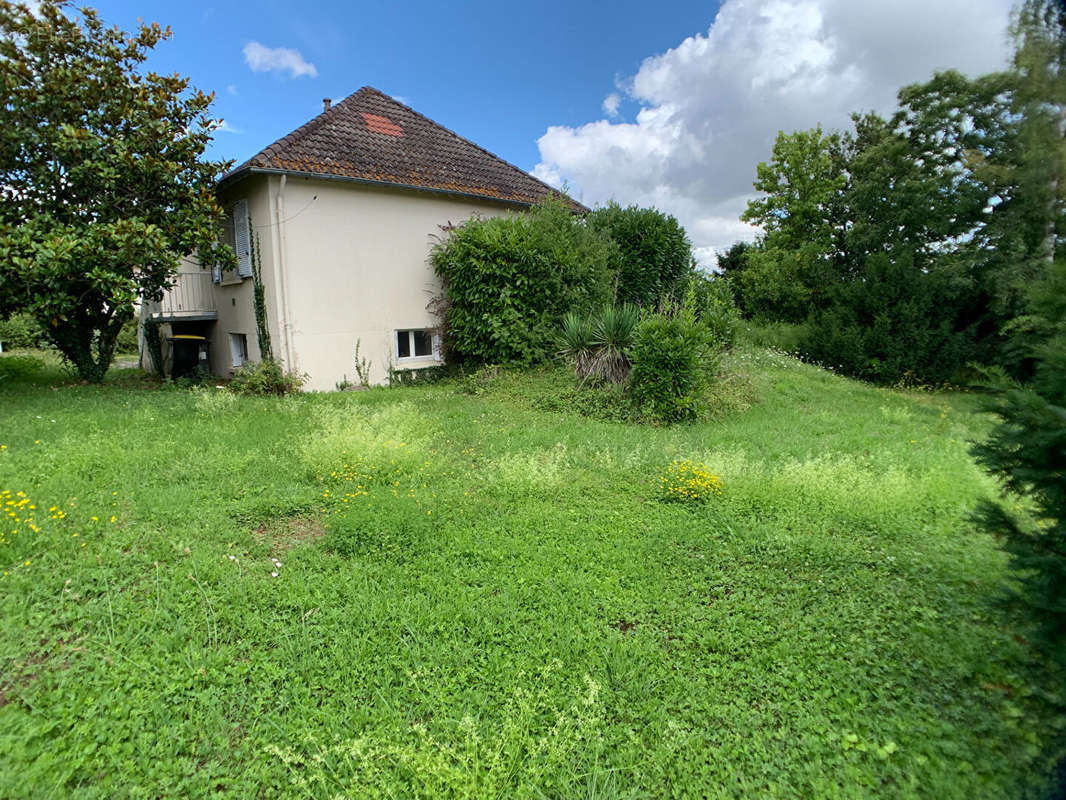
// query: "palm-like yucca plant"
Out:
[575,342]
[612,336]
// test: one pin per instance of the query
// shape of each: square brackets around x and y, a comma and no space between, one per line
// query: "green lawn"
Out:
[480,598]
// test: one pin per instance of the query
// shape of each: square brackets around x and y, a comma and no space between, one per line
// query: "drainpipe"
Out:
[281,277]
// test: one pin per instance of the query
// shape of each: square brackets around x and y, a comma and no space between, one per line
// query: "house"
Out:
[345,210]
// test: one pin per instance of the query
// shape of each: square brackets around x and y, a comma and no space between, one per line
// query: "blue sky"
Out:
[669,104]
[497,73]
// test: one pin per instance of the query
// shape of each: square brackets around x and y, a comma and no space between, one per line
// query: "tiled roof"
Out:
[370,137]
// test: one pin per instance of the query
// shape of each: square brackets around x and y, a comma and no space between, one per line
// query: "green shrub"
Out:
[712,303]
[12,366]
[126,341]
[612,336]
[20,330]
[598,344]
[575,341]
[265,378]
[509,281]
[672,356]
[651,255]
[897,324]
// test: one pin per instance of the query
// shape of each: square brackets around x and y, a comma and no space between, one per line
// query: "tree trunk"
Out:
[87,349]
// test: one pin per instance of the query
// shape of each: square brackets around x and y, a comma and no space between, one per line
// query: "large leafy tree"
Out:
[800,213]
[799,186]
[890,241]
[103,181]
[910,297]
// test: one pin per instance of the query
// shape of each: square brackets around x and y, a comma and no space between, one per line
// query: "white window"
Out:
[238,349]
[417,344]
[236,232]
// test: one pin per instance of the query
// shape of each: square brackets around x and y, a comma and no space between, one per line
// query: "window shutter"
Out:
[242,239]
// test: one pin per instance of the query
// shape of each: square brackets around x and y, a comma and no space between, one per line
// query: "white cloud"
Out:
[711,107]
[231,89]
[611,103]
[277,59]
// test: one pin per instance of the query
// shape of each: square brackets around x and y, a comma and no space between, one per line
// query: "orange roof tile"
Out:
[371,137]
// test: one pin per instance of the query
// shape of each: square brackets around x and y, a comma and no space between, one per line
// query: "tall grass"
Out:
[418,592]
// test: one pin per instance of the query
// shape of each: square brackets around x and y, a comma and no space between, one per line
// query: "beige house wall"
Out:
[356,264]
[341,262]
[234,299]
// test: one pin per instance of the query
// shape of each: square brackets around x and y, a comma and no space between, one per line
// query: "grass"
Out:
[431,592]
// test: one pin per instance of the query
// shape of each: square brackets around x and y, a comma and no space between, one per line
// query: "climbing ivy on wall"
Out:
[266,350]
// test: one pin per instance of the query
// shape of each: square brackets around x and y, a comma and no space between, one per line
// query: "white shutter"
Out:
[242,239]
[216,269]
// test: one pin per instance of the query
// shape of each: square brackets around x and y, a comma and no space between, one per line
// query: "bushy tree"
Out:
[1027,448]
[800,186]
[734,259]
[508,282]
[1029,231]
[731,265]
[898,243]
[104,184]
[711,301]
[1027,451]
[20,330]
[652,253]
[897,323]
[782,284]
[786,275]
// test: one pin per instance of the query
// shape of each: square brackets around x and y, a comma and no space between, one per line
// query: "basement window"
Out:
[417,344]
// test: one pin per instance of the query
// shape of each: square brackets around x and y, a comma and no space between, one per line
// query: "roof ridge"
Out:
[470,142]
[299,133]
[341,142]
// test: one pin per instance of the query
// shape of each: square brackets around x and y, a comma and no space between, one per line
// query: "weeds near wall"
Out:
[362,367]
